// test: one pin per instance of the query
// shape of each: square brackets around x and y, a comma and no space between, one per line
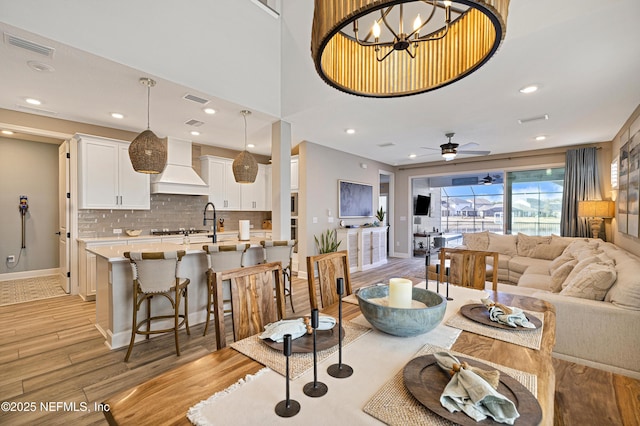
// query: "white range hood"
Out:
[178,177]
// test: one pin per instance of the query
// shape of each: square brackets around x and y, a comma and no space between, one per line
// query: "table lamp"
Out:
[596,211]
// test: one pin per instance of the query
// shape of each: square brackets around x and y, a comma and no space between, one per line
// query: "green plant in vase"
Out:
[328,241]
[380,215]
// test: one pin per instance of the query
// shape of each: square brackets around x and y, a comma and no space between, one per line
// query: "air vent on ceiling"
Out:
[194,122]
[530,119]
[36,110]
[384,145]
[195,98]
[29,45]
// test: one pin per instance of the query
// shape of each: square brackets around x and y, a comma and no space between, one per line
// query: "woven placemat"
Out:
[299,363]
[393,404]
[351,298]
[522,337]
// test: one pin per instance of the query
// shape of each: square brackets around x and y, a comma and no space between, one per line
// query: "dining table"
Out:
[166,399]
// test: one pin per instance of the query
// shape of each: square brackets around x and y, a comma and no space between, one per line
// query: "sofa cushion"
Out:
[582,263]
[527,244]
[548,251]
[592,282]
[537,281]
[559,275]
[559,261]
[476,240]
[578,248]
[520,264]
[625,293]
[503,244]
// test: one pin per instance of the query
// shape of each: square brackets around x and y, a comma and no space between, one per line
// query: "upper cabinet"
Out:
[106,179]
[294,173]
[226,194]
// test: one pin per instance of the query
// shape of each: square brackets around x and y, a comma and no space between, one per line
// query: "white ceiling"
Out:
[584,54]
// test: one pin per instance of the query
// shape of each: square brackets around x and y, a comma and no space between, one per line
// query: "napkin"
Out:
[508,315]
[296,327]
[471,394]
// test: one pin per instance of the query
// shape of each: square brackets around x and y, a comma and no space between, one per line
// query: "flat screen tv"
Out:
[422,205]
[354,199]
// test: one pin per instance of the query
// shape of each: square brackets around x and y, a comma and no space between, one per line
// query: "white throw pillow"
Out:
[558,262]
[527,244]
[625,293]
[560,275]
[547,251]
[582,263]
[503,244]
[592,282]
[476,240]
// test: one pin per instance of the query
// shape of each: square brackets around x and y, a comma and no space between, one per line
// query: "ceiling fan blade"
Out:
[468,145]
[474,152]
[433,149]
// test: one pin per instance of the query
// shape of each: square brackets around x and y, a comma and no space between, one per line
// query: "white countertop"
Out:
[115,253]
[126,238]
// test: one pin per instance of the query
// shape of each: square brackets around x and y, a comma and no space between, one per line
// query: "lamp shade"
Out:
[596,208]
[245,168]
[148,153]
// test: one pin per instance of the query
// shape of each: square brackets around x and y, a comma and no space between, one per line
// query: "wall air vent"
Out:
[194,123]
[195,98]
[530,119]
[29,45]
[385,145]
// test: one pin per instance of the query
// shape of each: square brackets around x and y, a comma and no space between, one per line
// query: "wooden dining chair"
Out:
[252,303]
[468,268]
[221,257]
[155,275]
[330,267]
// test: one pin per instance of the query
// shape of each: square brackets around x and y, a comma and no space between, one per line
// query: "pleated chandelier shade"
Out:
[147,152]
[441,42]
[245,166]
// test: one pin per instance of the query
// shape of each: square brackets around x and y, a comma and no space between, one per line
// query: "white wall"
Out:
[31,169]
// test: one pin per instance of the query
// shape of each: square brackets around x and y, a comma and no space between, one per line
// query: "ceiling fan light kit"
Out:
[448,40]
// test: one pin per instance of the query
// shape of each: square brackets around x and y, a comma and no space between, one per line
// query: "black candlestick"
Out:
[340,370]
[448,271]
[288,407]
[315,388]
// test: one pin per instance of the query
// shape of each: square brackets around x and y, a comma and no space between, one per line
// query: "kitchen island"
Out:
[114,285]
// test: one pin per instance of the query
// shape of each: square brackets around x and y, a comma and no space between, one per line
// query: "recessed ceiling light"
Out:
[32,101]
[541,138]
[7,132]
[195,133]
[412,155]
[40,66]
[350,131]
[251,145]
[529,89]
[209,111]
[117,115]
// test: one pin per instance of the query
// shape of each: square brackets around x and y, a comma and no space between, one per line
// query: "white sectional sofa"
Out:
[594,286]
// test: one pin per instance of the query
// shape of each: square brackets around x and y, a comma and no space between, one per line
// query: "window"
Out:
[474,208]
[534,198]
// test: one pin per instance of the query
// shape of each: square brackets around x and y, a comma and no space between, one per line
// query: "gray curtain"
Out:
[581,182]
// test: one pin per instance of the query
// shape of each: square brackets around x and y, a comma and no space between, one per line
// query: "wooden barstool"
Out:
[281,251]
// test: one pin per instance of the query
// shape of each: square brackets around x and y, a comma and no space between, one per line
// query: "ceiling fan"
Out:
[488,179]
[449,150]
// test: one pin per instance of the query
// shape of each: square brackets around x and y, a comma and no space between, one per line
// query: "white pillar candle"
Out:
[400,291]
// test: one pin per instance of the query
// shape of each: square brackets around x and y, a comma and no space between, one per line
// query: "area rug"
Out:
[27,289]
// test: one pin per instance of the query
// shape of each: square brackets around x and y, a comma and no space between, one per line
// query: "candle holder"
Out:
[340,370]
[289,407]
[315,388]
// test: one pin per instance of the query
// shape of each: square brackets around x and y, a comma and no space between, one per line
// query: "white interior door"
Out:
[63,214]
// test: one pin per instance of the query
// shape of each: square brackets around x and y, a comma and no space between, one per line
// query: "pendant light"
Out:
[245,167]
[147,152]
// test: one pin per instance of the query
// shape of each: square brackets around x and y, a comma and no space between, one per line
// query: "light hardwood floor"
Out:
[51,352]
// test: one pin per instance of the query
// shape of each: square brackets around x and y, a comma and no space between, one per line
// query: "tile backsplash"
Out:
[167,212]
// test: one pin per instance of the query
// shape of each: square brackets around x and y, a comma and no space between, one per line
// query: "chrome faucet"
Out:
[214,220]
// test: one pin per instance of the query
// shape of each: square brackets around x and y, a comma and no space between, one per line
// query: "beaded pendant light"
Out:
[147,152]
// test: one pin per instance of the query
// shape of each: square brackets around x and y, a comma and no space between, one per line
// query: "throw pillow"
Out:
[560,275]
[559,261]
[580,245]
[582,263]
[476,240]
[503,244]
[527,244]
[592,282]
[626,291]
[547,251]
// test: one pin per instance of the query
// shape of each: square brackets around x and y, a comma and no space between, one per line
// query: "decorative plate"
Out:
[424,378]
[325,339]
[479,313]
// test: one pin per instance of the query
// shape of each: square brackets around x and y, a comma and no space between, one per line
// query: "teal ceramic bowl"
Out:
[400,321]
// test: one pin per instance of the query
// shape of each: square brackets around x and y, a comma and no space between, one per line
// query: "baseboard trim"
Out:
[29,274]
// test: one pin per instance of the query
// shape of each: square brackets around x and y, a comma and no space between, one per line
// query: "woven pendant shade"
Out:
[148,153]
[245,168]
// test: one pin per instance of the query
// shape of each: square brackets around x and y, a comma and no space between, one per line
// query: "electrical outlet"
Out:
[117,231]
[11,259]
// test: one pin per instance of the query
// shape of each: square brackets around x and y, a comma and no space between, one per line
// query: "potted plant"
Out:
[380,215]
[328,241]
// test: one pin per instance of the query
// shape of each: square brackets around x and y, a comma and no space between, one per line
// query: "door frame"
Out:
[390,208]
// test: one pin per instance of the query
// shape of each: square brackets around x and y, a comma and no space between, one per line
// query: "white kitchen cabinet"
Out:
[366,247]
[226,194]
[294,173]
[106,179]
